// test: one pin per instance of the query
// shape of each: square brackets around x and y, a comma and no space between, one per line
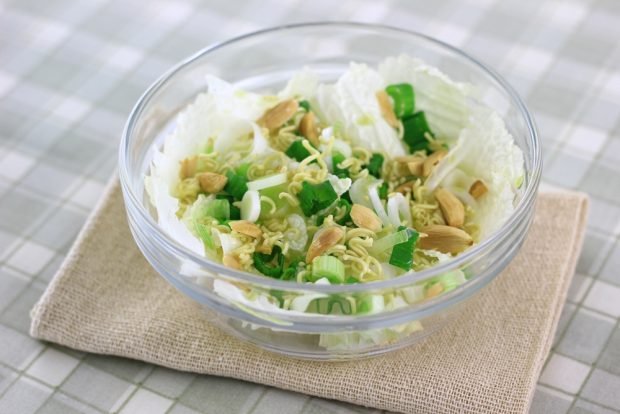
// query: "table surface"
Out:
[71,71]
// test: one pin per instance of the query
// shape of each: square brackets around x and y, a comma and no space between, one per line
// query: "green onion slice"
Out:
[235,212]
[403,97]
[236,185]
[416,127]
[402,253]
[389,241]
[305,104]
[383,191]
[267,182]
[328,267]
[337,158]
[250,206]
[375,164]
[297,151]
[316,197]
[243,169]
[371,304]
[271,265]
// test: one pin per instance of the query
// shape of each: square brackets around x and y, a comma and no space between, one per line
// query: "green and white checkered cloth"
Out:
[71,71]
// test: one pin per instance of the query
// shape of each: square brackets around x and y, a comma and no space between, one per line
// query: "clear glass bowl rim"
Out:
[170,244]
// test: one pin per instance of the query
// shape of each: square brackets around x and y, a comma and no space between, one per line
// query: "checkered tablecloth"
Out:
[70,72]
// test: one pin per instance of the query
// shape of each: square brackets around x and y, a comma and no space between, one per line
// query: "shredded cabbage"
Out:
[352,102]
[444,101]
[486,150]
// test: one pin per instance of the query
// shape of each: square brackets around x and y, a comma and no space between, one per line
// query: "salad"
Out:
[384,172]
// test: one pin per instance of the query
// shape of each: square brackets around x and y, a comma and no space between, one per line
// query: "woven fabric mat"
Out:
[107,299]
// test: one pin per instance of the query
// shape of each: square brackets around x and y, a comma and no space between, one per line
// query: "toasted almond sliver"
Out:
[383,99]
[246,227]
[478,189]
[408,158]
[212,182]
[365,218]
[325,239]
[308,128]
[416,167]
[401,169]
[451,207]
[432,161]
[445,239]
[231,261]
[277,116]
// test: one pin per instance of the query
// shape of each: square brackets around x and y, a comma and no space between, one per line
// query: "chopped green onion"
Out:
[337,304]
[390,240]
[402,253]
[343,203]
[235,213]
[337,158]
[316,197]
[383,191]
[236,185]
[346,196]
[403,97]
[269,264]
[305,104]
[250,206]
[267,182]
[351,280]
[329,267]
[416,127]
[297,151]
[218,209]
[243,169]
[345,218]
[290,272]
[371,304]
[375,164]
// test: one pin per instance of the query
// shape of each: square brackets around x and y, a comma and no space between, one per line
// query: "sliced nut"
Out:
[406,187]
[246,227]
[432,161]
[406,158]
[402,168]
[451,207]
[434,290]
[386,108]
[325,239]
[445,239]
[212,182]
[478,189]
[308,128]
[416,167]
[231,261]
[365,218]
[277,116]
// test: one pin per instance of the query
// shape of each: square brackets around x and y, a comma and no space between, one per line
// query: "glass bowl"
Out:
[265,60]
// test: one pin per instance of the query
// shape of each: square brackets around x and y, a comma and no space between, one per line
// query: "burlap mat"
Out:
[106,299]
